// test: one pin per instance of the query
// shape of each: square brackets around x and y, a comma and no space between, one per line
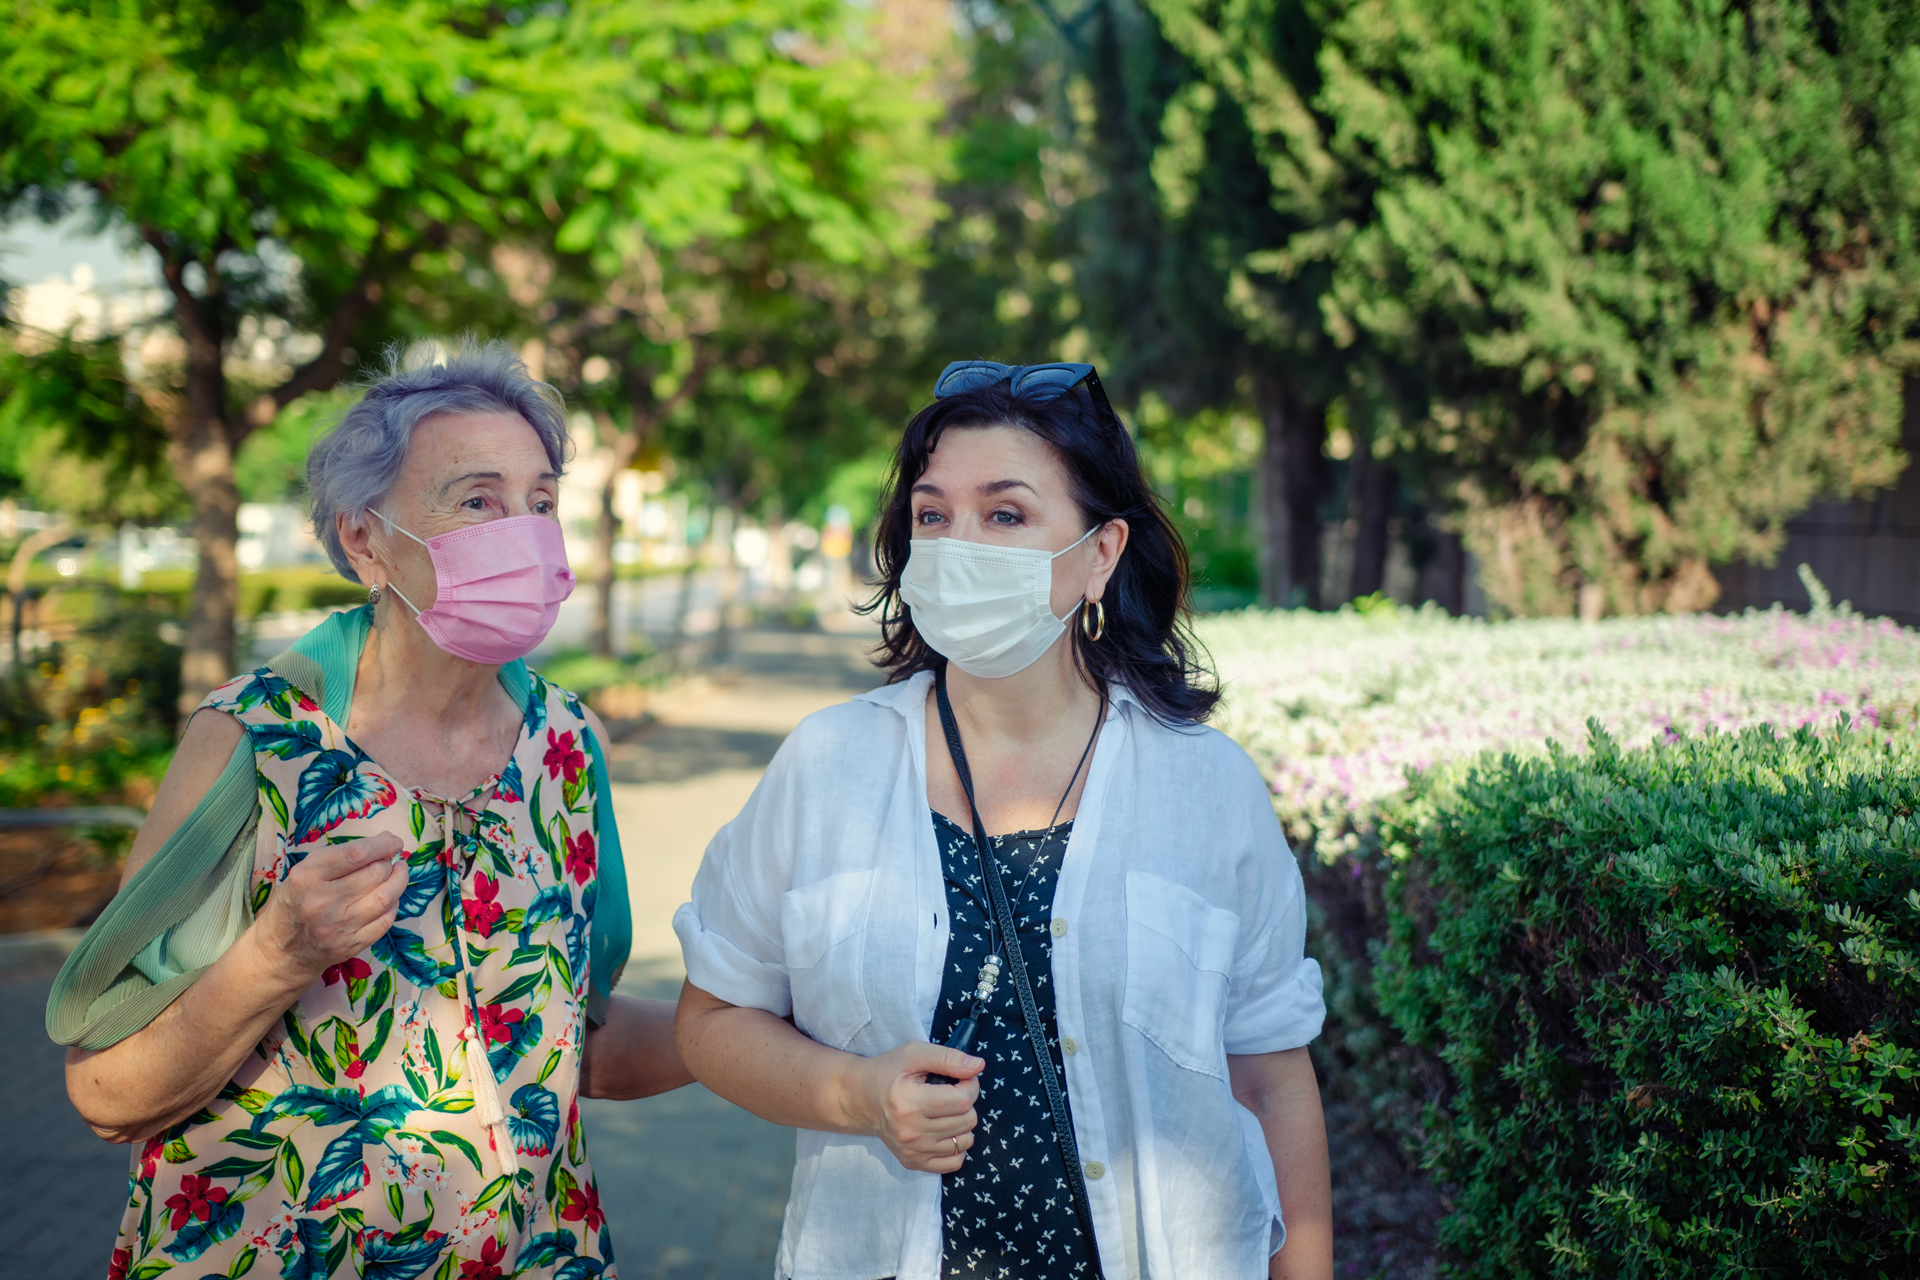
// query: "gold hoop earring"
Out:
[1093,620]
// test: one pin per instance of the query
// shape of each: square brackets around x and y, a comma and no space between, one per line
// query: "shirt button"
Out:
[1059,928]
[1095,1170]
[1069,1046]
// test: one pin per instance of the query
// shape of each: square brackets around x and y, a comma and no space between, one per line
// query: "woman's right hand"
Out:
[339,901]
[928,1127]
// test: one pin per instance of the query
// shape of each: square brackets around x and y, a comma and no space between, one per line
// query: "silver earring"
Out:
[373,595]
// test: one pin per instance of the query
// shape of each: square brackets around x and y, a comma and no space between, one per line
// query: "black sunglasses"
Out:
[1041,381]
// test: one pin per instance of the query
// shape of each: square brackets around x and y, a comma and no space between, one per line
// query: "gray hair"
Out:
[353,468]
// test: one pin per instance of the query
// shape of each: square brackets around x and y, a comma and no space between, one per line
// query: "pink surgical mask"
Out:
[501,584]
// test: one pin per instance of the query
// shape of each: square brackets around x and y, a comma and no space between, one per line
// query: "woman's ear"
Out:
[1108,545]
[361,546]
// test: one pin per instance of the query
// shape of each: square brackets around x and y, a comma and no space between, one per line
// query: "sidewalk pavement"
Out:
[693,1187]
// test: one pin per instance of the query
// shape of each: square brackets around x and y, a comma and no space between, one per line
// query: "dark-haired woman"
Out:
[1025,844]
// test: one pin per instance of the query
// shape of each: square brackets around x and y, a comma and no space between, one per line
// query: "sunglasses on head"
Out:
[1040,381]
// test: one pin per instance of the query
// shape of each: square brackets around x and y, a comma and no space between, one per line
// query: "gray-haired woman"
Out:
[360,972]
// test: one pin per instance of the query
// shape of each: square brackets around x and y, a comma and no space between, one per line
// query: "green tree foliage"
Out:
[755,341]
[1671,994]
[349,171]
[1653,261]
[78,436]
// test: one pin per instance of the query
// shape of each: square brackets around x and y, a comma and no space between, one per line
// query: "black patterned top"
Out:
[1008,1211]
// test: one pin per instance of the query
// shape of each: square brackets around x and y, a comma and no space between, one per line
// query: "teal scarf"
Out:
[189,903]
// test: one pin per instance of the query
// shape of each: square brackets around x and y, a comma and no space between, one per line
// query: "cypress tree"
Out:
[1653,261]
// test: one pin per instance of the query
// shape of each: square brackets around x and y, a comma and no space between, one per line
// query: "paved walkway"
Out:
[693,1186]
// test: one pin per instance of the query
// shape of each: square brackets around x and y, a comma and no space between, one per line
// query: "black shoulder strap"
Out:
[1017,965]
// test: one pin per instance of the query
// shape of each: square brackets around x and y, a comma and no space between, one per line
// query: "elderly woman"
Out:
[1016,940]
[360,972]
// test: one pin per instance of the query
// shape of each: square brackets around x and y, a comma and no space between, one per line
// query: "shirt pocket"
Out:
[824,928]
[1179,951]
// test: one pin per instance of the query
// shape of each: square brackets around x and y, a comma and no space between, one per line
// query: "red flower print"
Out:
[150,1156]
[195,1199]
[492,1253]
[354,970]
[563,756]
[356,1068]
[584,1202]
[581,857]
[117,1269]
[482,911]
[496,1027]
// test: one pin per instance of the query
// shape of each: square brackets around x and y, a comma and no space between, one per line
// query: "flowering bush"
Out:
[1337,707]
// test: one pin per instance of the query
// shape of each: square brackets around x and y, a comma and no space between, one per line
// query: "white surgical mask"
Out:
[987,610]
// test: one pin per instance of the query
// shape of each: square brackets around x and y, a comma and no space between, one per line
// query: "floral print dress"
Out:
[416,1113]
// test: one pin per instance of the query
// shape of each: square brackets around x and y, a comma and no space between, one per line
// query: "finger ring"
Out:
[956,1144]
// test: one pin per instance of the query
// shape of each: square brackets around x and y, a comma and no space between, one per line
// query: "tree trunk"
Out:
[1293,483]
[626,447]
[203,452]
[203,441]
[1374,487]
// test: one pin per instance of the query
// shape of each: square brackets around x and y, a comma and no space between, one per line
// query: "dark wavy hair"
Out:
[1149,647]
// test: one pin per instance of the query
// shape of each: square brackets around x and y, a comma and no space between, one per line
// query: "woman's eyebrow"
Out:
[471,475]
[1001,486]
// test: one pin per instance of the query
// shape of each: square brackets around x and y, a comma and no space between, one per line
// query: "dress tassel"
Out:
[487,1105]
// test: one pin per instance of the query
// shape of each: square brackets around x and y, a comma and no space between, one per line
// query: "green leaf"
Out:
[293,1169]
[380,1032]
[519,987]
[151,1267]
[491,1194]
[243,1263]
[455,1140]
[382,989]
[176,1151]
[234,1167]
[257,1141]
[553,1060]
[396,1202]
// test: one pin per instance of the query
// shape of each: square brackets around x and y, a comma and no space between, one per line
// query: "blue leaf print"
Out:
[194,1239]
[424,883]
[340,1173]
[555,902]
[546,1248]
[399,1257]
[332,790]
[404,951]
[577,948]
[579,1269]
[264,686]
[322,1106]
[307,1260]
[526,1034]
[289,741]
[385,1110]
[536,714]
[537,1119]
[513,787]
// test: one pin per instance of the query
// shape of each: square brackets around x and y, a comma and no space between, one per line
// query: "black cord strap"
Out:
[1017,965]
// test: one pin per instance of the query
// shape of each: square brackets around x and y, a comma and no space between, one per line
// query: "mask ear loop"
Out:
[388,585]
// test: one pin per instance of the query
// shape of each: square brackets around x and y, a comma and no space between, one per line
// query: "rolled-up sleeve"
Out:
[730,933]
[1274,999]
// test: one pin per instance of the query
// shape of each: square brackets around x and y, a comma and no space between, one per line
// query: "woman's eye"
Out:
[475,504]
[1006,517]
[543,507]
[928,517]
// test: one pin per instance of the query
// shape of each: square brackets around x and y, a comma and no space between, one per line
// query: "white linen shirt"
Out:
[1178,921]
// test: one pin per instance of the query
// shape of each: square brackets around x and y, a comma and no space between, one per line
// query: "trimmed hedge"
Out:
[1673,992]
